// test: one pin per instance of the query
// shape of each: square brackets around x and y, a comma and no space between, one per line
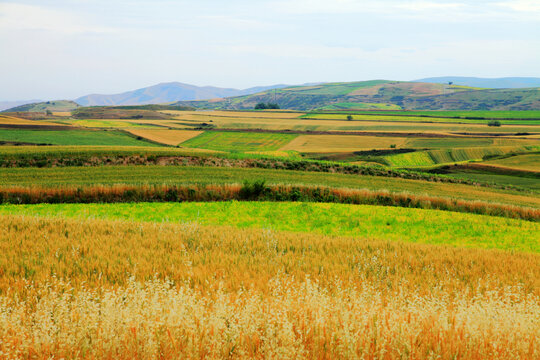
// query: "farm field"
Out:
[530,162]
[364,221]
[240,285]
[532,119]
[333,143]
[70,137]
[109,275]
[237,141]
[136,175]
[168,137]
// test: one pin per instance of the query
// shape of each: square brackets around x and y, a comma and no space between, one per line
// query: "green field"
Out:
[71,137]
[411,225]
[488,114]
[412,117]
[238,141]
[529,162]
[448,156]
[110,175]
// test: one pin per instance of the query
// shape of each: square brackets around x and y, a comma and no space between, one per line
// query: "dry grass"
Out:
[341,143]
[169,137]
[256,294]
[11,120]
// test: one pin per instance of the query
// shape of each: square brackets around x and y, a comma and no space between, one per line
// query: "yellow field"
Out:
[165,136]
[256,294]
[529,162]
[18,121]
[341,143]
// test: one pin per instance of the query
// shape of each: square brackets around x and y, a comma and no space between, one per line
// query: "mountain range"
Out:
[431,93]
[168,92]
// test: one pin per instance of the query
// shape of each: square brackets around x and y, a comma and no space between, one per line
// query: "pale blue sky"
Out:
[65,49]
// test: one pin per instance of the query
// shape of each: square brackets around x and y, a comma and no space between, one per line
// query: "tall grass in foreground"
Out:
[254,191]
[293,321]
[256,294]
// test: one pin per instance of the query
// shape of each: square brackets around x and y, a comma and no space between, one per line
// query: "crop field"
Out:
[530,162]
[150,289]
[331,143]
[9,120]
[93,123]
[238,244]
[365,221]
[411,118]
[71,137]
[434,157]
[169,137]
[488,114]
[238,141]
[110,175]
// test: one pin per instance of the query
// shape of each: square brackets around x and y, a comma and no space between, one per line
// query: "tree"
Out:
[260,106]
[48,112]
[494,123]
[349,117]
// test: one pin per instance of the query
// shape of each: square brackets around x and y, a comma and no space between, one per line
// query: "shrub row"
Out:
[256,191]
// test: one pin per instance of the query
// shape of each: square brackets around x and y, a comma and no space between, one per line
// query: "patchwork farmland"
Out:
[143,232]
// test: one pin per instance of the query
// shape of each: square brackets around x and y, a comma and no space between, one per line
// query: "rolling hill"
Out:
[11,104]
[167,92]
[383,94]
[56,105]
[494,83]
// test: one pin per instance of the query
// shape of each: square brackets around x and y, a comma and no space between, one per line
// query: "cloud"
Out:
[15,17]
[447,11]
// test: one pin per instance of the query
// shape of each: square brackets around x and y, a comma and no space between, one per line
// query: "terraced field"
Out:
[529,162]
[434,157]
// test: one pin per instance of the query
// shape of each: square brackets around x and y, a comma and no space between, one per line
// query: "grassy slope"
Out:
[422,226]
[72,137]
[57,105]
[110,175]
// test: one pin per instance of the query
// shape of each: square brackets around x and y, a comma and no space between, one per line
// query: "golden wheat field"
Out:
[111,289]
[166,136]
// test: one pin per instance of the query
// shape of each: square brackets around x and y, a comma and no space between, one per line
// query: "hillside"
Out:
[167,92]
[11,104]
[56,105]
[494,83]
[383,94]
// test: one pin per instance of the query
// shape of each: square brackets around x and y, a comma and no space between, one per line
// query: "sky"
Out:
[60,49]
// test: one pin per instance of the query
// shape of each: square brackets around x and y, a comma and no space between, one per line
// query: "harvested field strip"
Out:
[239,141]
[186,175]
[74,137]
[174,193]
[329,143]
[165,136]
[10,120]
[255,294]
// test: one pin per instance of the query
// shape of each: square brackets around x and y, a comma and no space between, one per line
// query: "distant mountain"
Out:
[56,105]
[495,83]
[382,95]
[10,104]
[168,92]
